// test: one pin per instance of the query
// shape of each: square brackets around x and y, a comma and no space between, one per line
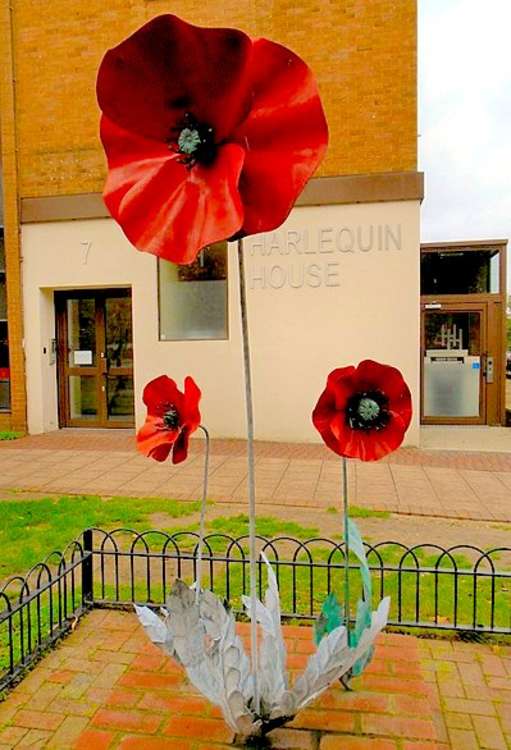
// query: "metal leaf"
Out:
[330,618]
[272,652]
[363,621]
[363,617]
[185,626]
[156,629]
[235,670]
[212,614]
[332,660]
[203,638]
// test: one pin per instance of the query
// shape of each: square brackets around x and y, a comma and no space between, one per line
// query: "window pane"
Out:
[5,394]
[3,298]
[120,397]
[4,348]
[5,373]
[119,348]
[81,332]
[82,397]
[452,364]
[193,299]
[460,272]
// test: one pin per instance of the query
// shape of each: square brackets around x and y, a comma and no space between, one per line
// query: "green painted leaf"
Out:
[356,546]
[363,617]
[329,619]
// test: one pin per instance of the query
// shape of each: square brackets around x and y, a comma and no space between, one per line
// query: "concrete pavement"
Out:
[450,484]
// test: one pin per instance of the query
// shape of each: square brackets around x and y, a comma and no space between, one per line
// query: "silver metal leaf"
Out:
[235,671]
[272,675]
[156,629]
[185,626]
[206,641]
[152,625]
[330,662]
[213,614]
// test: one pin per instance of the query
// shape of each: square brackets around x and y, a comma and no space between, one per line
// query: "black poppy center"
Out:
[194,141]
[367,411]
[171,418]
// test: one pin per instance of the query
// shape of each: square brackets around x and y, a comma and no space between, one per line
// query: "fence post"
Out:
[87,568]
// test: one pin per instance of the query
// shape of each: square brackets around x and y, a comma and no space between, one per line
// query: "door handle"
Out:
[104,364]
[489,371]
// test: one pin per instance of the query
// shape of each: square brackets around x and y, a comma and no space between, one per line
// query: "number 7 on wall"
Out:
[86,246]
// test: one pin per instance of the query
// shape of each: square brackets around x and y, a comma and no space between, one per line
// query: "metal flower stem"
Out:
[251,473]
[202,524]
[346,546]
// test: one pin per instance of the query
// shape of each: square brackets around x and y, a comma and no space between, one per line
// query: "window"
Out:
[193,299]
[5,379]
[460,272]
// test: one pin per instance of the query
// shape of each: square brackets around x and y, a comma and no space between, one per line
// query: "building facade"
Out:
[90,320]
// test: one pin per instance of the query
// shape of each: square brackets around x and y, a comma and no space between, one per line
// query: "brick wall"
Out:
[363,53]
[16,420]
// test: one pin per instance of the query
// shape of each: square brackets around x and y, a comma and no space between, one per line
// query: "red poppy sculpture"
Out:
[364,411]
[209,135]
[172,416]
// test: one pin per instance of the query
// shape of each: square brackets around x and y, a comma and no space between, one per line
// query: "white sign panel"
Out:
[82,357]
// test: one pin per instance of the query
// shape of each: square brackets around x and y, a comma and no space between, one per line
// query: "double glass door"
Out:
[95,358]
[455,364]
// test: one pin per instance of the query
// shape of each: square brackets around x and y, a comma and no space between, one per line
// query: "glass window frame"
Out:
[498,246]
[191,339]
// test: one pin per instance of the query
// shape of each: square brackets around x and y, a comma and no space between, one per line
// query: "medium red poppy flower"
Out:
[172,416]
[209,134]
[364,411]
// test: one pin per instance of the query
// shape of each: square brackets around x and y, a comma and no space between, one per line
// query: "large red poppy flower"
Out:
[172,416]
[364,411]
[209,134]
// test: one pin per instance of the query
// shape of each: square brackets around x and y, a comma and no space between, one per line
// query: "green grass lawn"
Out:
[10,435]
[31,529]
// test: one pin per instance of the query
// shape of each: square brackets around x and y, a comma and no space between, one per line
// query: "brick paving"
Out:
[107,687]
[447,484]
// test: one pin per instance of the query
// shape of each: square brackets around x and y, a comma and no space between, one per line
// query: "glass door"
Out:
[453,364]
[95,358]
[118,361]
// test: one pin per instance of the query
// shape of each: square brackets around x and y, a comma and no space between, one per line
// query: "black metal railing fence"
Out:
[38,609]
[461,588]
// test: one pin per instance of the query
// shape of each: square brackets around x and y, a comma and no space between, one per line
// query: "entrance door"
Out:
[95,358]
[454,364]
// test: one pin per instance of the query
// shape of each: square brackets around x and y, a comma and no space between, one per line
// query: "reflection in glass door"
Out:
[95,358]
[81,359]
[453,365]
[119,359]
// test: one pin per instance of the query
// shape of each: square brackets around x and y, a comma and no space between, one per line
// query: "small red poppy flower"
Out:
[172,416]
[364,411]
[208,134]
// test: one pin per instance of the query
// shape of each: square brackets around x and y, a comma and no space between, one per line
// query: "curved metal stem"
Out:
[346,547]
[251,472]
[198,582]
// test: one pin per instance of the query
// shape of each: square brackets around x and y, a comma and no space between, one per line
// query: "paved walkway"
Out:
[451,484]
[107,687]
[467,437]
